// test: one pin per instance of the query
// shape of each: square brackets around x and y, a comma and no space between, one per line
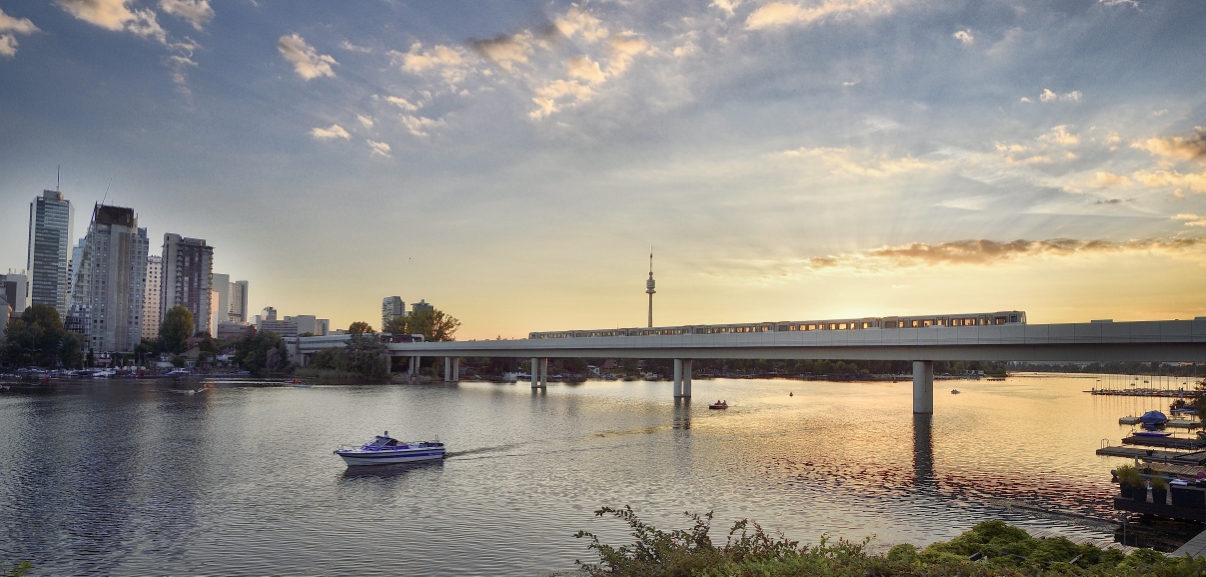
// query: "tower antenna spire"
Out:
[58,177]
[649,286]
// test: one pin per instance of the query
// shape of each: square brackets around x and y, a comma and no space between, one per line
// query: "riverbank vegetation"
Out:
[990,549]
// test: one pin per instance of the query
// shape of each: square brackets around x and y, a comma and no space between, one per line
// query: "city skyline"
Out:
[513,162]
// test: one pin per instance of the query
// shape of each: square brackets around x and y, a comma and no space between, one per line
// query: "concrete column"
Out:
[447,369]
[535,373]
[678,378]
[456,369]
[686,389]
[414,366]
[544,373]
[923,387]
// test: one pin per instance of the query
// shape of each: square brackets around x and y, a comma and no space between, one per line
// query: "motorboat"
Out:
[1153,420]
[719,405]
[954,391]
[386,450]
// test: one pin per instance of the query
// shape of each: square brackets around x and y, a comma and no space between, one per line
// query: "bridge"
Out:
[1101,341]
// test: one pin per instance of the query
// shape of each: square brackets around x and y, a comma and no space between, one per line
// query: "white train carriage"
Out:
[865,323]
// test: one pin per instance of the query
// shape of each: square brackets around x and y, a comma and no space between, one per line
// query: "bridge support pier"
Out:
[413,366]
[535,372]
[447,369]
[678,378]
[544,373]
[686,388]
[923,387]
[456,369]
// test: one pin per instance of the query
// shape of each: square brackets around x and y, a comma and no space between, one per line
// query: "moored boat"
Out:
[386,450]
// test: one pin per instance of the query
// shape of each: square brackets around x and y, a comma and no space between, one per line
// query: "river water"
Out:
[137,478]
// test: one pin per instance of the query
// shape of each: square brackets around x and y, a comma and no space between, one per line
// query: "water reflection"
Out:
[923,450]
[392,472]
[682,413]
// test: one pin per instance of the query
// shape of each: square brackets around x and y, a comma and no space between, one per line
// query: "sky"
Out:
[512,162]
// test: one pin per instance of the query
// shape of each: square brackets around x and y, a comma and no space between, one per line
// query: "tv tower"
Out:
[649,286]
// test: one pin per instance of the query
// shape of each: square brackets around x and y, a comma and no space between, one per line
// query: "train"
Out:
[865,323]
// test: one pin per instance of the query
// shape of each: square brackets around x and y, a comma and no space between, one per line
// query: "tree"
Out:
[177,327]
[435,325]
[262,352]
[359,328]
[38,338]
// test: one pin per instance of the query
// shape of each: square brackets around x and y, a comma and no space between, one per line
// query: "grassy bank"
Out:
[990,549]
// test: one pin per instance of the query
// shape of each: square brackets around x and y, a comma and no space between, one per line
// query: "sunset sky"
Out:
[512,162]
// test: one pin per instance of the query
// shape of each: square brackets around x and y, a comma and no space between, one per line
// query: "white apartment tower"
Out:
[391,308]
[188,265]
[152,317]
[220,311]
[238,302]
[109,287]
[50,220]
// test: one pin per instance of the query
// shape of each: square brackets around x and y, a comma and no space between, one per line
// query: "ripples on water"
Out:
[134,477]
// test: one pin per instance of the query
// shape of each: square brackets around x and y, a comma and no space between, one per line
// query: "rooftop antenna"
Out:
[58,177]
[106,192]
[649,286]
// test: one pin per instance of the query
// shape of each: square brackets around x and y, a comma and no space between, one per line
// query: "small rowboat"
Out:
[719,405]
[386,450]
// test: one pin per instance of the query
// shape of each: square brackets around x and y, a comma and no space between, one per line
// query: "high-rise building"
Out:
[50,220]
[188,265]
[152,317]
[421,306]
[73,268]
[391,308]
[110,286]
[221,301]
[14,286]
[238,302]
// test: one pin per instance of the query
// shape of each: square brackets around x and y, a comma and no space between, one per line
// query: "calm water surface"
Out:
[136,478]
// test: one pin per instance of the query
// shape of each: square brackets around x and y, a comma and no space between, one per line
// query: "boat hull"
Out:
[357,458]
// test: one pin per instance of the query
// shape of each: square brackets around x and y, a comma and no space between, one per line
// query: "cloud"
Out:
[1191,148]
[726,5]
[402,103]
[840,162]
[307,62]
[1191,219]
[354,48]
[505,50]
[781,14]
[450,63]
[379,148]
[586,69]
[1133,3]
[116,15]
[8,45]
[577,21]
[365,121]
[986,252]
[1048,96]
[623,49]
[16,25]
[1172,179]
[1060,135]
[419,125]
[1109,180]
[964,36]
[335,131]
[197,12]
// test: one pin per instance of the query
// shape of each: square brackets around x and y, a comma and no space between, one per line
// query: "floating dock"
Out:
[1175,423]
[1173,393]
[1197,458]
[1193,444]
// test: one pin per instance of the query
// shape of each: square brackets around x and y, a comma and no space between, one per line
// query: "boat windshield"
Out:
[383,442]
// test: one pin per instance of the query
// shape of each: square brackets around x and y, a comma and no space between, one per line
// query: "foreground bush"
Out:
[1000,550]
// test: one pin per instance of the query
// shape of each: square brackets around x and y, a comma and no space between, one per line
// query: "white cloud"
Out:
[726,5]
[450,63]
[586,69]
[964,36]
[116,15]
[419,126]
[354,48]
[197,12]
[365,121]
[1109,180]
[577,20]
[780,13]
[1191,219]
[1133,3]
[16,25]
[1176,147]
[843,161]
[1060,135]
[379,148]
[505,50]
[335,131]
[8,45]
[308,63]
[1048,96]
[623,49]
[401,103]
[1172,179]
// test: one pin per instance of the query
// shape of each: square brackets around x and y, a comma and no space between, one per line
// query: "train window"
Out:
[841,326]
[927,323]
[940,322]
[914,324]
[1000,320]
[1013,318]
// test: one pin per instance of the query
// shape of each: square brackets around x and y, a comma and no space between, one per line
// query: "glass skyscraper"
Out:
[50,221]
